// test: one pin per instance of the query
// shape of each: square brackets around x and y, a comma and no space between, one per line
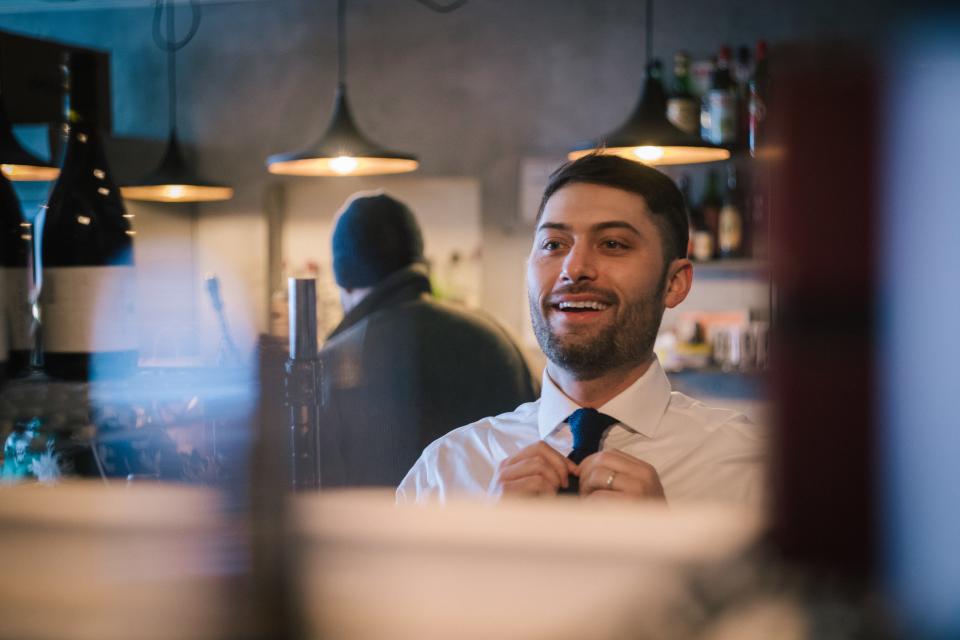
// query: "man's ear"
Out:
[679,281]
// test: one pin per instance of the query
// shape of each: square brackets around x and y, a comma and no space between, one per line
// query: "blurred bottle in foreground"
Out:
[13,253]
[87,280]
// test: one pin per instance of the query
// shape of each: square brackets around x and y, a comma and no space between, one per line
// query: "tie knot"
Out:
[588,427]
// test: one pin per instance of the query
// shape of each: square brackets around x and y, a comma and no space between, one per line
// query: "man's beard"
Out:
[626,341]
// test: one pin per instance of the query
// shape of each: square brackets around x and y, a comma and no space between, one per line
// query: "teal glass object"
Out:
[28,454]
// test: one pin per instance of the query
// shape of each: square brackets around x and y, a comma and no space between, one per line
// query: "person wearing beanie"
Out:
[402,368]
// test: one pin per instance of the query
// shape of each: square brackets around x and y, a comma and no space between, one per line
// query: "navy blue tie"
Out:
[588,427]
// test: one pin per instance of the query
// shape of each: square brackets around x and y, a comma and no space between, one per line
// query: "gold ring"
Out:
[613,474]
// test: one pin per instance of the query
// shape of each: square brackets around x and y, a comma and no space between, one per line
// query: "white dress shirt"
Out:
[700,453]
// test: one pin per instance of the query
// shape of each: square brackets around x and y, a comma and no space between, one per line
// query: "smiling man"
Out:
[608,257]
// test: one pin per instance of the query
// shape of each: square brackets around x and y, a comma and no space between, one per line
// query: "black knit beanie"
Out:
[374,236]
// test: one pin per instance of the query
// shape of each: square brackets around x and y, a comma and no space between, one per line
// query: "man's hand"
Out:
[614,474]
[535,470]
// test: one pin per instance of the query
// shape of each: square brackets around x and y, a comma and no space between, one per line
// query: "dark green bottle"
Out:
[87,287]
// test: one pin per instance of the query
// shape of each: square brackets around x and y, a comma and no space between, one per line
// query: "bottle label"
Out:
[719,117]
[684,114]
[16,298]
[88,309]
[702,246]
[730,234]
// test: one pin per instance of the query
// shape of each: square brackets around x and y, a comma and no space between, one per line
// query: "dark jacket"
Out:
[403,369]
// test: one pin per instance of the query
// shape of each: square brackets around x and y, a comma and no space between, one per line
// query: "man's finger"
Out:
[558,461]
[532,467]
[529,485]
[618,472]
[617,461]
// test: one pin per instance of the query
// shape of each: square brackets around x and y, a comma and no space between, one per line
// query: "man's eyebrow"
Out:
[615,224]
[554,225]
[600,226]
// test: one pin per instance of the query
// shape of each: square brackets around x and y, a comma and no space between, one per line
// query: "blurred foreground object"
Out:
[302,384]
[525,569]
[822,337]
[919,307]
[178,424]
[88,561]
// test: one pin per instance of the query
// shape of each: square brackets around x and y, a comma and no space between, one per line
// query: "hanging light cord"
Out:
[171,45]
[342,32]
[341,43]
[649,29]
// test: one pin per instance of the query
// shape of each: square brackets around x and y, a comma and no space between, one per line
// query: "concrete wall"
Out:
[473,93]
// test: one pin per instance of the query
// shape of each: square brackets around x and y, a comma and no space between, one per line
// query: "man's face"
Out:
[596,280]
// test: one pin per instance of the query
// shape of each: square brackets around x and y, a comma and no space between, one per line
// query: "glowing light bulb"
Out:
[343,164]
[175,191]
[648,154]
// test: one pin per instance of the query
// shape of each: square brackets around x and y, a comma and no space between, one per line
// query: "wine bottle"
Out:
[87,285]
[718,115]
[700,246]
[683,110]
[16,252]
[741,72]
[730,222]
[710,205]
[757,89]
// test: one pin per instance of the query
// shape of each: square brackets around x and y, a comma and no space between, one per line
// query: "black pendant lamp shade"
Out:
[174,180]
[649,137]
[342,150]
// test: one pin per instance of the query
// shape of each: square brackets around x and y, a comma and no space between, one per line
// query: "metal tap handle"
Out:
[303,386]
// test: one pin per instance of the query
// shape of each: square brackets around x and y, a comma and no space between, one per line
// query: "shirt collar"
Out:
[639,407]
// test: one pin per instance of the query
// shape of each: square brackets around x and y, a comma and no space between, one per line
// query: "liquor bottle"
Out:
[683,109]
[710,205]
[683,184]
[759,211]
[700,245]
[14,282]
[730,221]
[741,72]
[757,94]
[718,114]
[742,67]
[87,277]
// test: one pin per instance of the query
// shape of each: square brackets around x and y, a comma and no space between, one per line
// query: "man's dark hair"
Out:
[662,196]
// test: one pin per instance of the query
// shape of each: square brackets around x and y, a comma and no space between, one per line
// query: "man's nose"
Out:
[579,265]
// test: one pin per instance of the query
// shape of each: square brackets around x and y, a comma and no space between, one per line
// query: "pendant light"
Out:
[648,136]
[342,150]
[17,163]
[174,180]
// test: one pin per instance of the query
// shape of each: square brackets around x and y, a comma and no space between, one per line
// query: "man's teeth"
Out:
[587,304]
